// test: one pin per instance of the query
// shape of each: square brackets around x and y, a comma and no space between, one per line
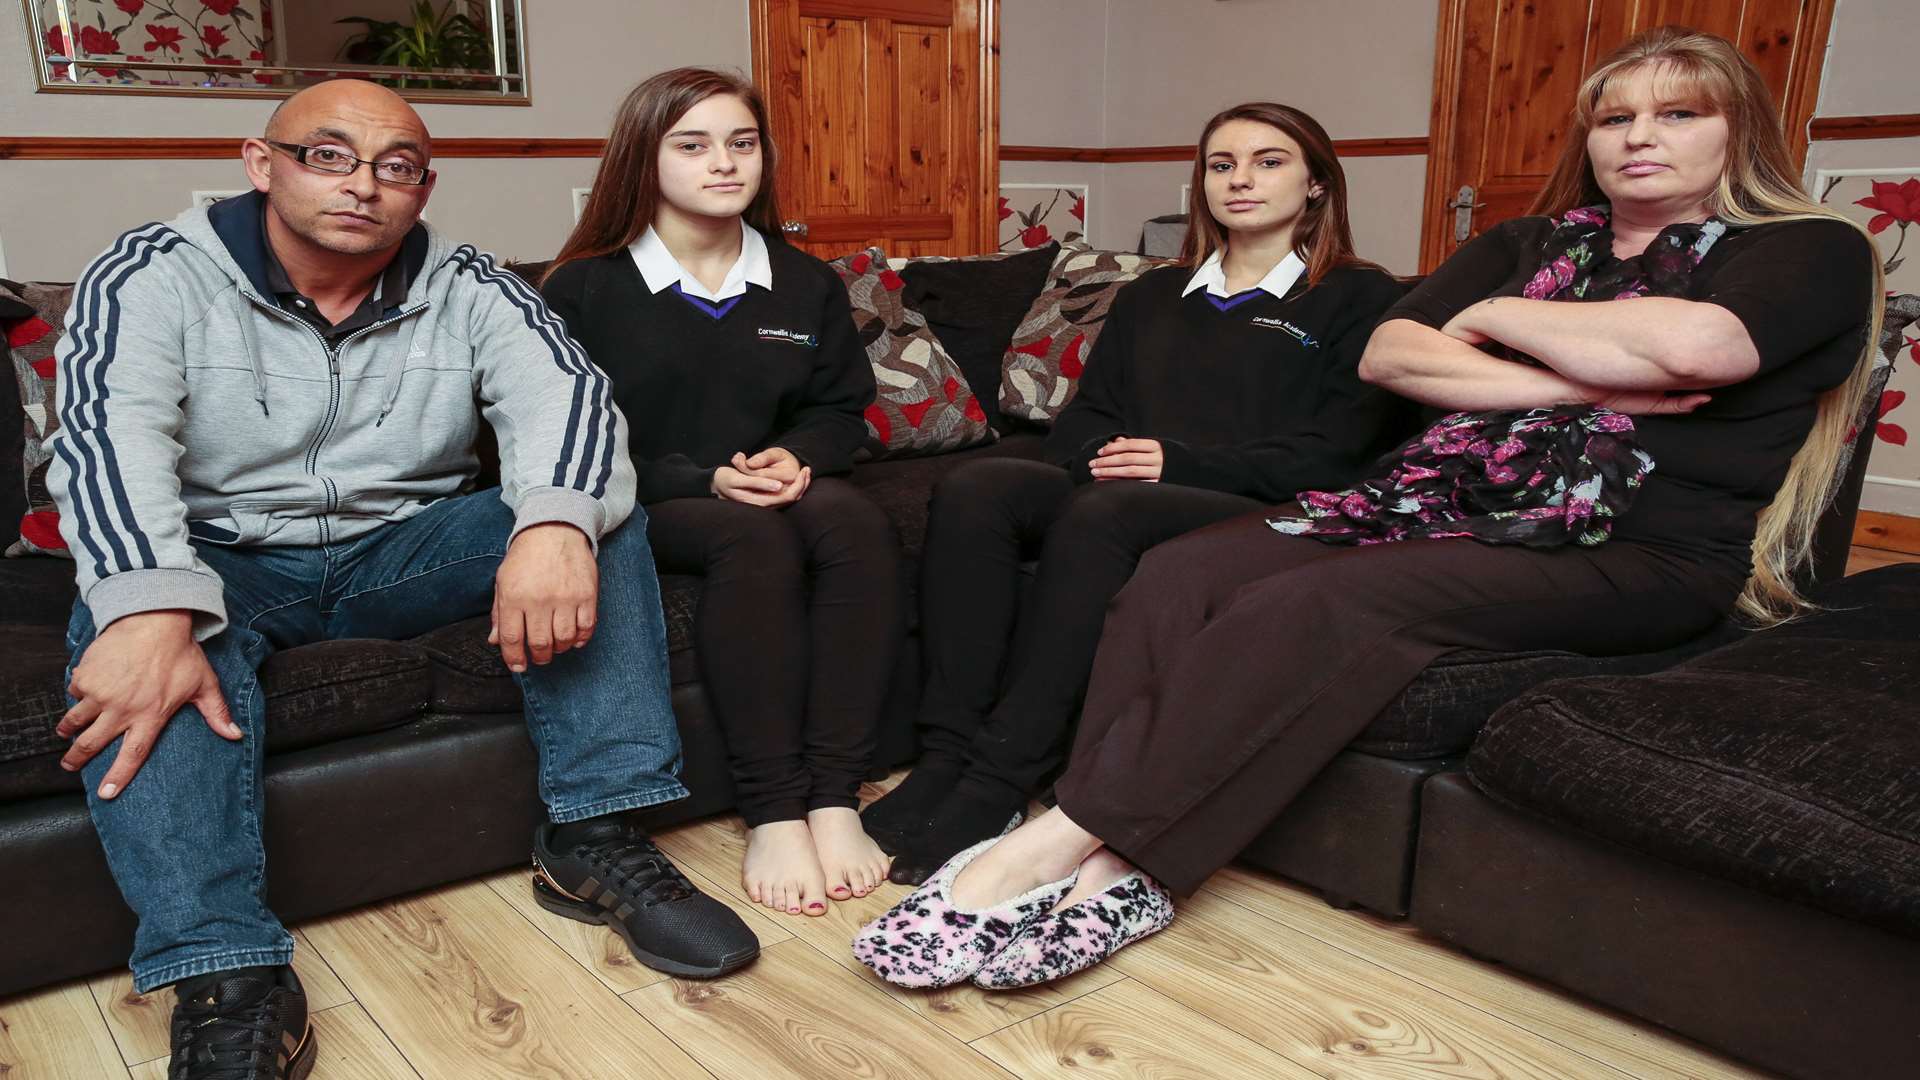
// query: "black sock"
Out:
[914,798]
[961,821]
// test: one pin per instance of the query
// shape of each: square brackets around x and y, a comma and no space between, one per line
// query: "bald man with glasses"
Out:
[267,414]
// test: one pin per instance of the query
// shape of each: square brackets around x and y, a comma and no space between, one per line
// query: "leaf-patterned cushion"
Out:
[922,403]
[30,343]
[1050,349]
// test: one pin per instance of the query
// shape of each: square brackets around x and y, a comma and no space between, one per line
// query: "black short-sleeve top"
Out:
[1803,291]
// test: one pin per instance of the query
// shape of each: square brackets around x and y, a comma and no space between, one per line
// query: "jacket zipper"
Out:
[333,401]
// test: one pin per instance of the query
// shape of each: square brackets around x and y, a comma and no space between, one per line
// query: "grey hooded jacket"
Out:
[191,406]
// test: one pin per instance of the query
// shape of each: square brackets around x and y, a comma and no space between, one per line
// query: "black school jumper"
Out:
[1238,662]
[799,618]
[1253,398]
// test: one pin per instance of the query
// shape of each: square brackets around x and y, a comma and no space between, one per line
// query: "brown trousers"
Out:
[1238,662]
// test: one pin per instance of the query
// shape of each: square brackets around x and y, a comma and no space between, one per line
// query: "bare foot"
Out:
[782,870]
[854,864]
[1045,849]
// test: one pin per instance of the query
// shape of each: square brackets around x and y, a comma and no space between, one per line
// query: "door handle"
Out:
[1463,207]
[794,228]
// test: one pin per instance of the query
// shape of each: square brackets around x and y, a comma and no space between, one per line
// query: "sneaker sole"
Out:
[565,906]
[300,1065]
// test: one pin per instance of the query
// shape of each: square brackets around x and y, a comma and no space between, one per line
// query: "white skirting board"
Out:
[1891,495]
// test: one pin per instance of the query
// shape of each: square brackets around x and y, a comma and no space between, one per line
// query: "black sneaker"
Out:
[245,1024]
[611,873]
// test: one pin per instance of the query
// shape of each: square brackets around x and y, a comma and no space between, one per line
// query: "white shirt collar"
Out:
[1212,276]
[661,270]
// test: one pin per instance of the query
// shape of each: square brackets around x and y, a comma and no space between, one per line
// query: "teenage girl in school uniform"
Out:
[735,359]
[1218,386]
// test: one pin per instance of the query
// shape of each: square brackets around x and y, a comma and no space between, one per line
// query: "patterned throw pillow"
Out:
[1050,349]
[922,404]
[30,342]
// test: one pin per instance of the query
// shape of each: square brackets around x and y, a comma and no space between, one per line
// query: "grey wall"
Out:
[1150,73]
[583,55]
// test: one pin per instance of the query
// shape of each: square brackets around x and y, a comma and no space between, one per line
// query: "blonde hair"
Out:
[1757,186]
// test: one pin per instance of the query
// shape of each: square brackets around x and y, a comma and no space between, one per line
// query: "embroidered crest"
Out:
[792,337]
[1299,335]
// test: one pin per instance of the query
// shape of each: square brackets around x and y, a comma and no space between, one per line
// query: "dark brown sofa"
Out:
[409,764]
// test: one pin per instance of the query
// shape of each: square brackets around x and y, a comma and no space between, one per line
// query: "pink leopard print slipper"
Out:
[925,941]
[1080,936]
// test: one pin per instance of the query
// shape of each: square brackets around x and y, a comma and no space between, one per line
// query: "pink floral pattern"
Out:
[1539,478]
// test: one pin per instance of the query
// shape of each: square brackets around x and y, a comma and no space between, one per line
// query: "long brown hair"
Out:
[1758,185]
[626,189]
[1322,237]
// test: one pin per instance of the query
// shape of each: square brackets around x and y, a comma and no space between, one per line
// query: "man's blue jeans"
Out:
[183,839]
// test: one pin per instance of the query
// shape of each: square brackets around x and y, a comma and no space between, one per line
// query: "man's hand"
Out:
[1128,459]
[772,477]
[130,681]
[546,595]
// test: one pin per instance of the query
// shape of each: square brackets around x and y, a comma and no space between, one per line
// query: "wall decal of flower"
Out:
[1896,204]
[1057,213]
[1884,431]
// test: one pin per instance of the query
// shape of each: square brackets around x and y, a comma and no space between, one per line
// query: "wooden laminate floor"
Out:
[1257,978]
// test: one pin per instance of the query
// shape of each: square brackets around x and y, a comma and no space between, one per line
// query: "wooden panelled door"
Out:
[886,116]
[1505,74]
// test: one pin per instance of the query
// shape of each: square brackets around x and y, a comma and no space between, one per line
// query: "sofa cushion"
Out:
[315,694]
[922,404]
[1788,762]
[973,304]
[1051,345]
[30,343]
[468,676]
[36,592]
[902,488]
[1441,712]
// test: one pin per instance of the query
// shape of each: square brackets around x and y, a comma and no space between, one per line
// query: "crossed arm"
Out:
[1623,354]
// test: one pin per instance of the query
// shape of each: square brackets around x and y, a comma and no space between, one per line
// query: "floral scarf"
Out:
[1536,477]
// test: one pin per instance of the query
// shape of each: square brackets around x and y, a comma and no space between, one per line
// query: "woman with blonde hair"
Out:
[1655,375]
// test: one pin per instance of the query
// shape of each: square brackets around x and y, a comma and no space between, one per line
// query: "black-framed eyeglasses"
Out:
[340,163]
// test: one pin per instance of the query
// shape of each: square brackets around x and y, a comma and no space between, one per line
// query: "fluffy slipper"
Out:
[926,941]
[1080,936]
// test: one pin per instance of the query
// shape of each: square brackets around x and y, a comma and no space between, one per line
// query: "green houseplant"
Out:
[436,40]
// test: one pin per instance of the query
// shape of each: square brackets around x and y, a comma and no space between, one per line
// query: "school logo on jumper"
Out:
[792,337]
[1299,335]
